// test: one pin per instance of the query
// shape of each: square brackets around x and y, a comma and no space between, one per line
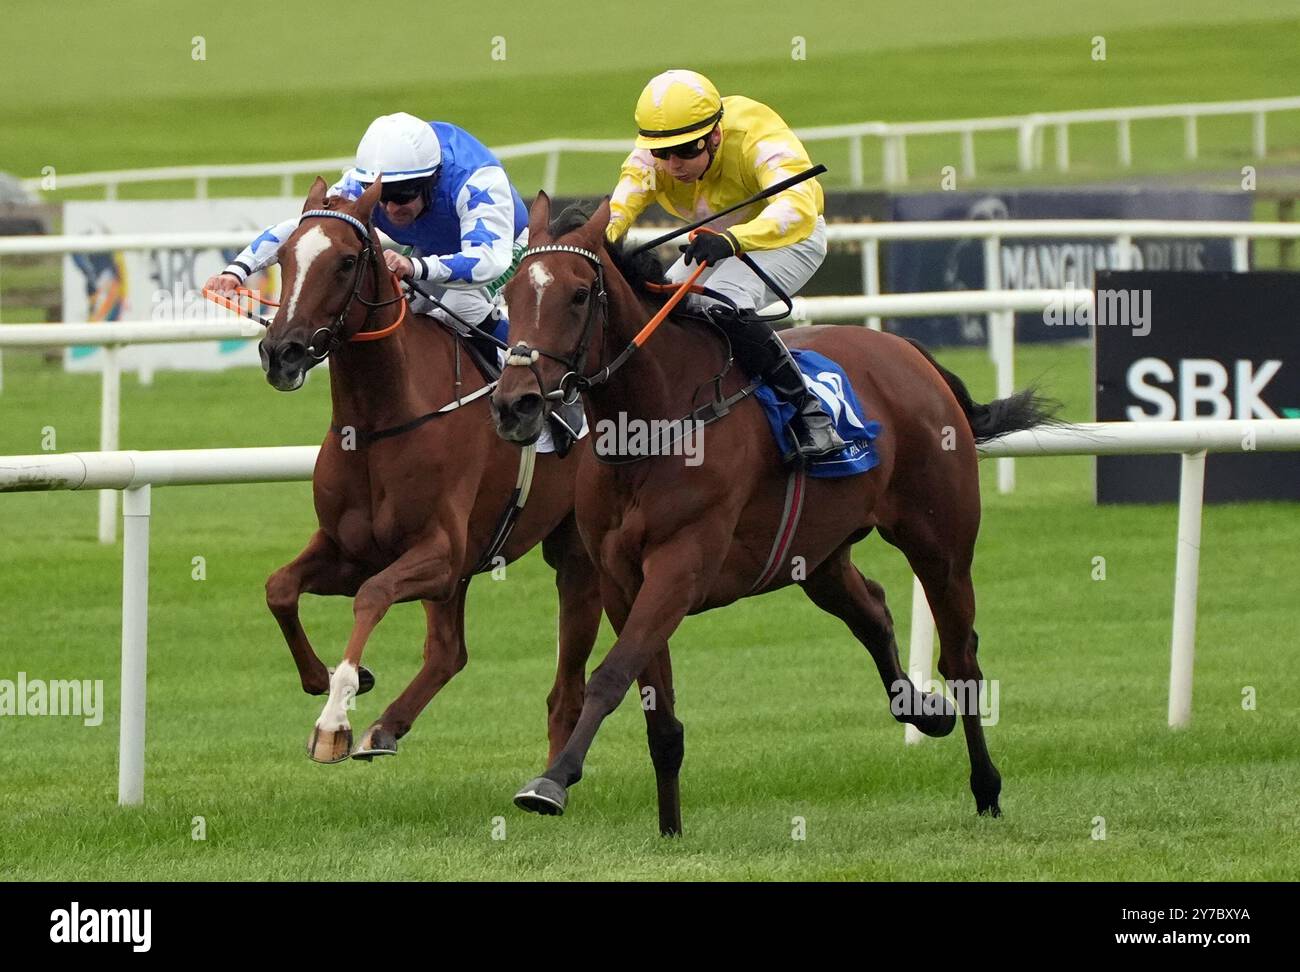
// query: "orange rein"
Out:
[385,331]
[233,305]
[679,291]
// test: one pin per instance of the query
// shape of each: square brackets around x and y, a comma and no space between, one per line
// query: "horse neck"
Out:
[657,381]
[378,384]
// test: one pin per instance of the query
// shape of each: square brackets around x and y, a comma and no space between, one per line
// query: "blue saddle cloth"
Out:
[827,379]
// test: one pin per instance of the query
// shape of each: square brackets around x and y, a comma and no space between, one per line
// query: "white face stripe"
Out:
[310,245]
[541,278]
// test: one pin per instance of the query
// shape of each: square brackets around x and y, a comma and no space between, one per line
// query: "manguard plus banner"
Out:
[1044,263]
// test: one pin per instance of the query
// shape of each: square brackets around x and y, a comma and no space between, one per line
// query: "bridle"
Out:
[367,258]
[574,382]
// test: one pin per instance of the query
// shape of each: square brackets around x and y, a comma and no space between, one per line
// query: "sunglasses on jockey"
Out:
[401,193]
[686,151]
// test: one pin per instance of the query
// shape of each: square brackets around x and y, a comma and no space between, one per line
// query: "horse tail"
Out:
[1023,410]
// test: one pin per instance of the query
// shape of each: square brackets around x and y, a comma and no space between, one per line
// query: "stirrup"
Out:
[816,439]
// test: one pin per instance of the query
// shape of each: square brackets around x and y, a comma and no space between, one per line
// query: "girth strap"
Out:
[523,483]
[795,487]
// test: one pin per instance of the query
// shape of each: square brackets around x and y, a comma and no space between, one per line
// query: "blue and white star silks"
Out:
[460,265]
[480,235]
[465,237]
[478,197]
[487,223]
[266,237]
[258,255]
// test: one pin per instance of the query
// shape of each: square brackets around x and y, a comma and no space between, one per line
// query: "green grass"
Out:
[784,715]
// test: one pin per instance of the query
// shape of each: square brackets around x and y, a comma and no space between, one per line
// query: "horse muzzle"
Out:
[285,364]
[519,418]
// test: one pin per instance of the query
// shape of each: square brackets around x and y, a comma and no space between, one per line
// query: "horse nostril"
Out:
[528,406]
[292,353]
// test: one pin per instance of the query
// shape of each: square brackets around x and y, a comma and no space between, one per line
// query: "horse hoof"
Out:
[936,724]
[365,680]
[543,796]
[377,741]
[990,810]
[329,746]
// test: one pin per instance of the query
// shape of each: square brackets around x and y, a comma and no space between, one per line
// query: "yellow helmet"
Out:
[675,107]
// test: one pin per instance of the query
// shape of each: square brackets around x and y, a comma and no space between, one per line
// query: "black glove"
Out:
[709,248]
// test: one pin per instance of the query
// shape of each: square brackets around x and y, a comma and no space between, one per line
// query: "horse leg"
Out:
[943,567]
[579,623]
[444,656]
[838,588]
[320,569]
[672,573]
[422,572]
[665,735]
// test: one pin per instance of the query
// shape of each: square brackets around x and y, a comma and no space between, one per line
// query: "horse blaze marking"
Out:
[540,277]
[311,245]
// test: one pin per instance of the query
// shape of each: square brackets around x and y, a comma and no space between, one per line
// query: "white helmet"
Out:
[398,147]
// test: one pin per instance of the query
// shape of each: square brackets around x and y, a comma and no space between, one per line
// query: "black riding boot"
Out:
[761,352]
[481,338]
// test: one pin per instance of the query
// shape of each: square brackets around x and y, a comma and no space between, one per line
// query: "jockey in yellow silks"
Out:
[697,153]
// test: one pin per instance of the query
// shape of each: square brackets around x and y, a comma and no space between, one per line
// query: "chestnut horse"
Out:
[411,491]
[670,538]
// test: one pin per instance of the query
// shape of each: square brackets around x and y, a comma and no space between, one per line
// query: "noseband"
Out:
[334,331]
[574,383]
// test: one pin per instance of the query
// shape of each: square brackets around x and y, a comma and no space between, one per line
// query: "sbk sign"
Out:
[1218,346]
[1202,388]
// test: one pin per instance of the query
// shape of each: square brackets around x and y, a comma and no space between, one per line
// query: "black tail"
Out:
[1023,410]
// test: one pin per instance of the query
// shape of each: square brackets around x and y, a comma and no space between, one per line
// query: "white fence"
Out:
[1193,440]
[137,472]
[1000,308]
[806,310]
[892,137]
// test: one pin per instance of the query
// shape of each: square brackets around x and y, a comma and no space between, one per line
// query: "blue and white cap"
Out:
[398,147]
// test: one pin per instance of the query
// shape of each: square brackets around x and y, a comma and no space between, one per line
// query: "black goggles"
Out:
[687,151]
[401,193]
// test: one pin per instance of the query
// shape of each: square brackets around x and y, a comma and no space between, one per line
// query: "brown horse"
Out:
[670,538]
[411,495]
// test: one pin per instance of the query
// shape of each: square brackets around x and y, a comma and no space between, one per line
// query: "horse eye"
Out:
[347,263]
[580,296]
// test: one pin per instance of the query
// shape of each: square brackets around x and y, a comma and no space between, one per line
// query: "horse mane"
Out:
[638,269]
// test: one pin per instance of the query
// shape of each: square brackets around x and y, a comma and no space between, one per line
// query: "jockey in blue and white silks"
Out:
[445,197]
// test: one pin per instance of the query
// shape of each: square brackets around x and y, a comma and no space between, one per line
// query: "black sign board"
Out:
[1172,345]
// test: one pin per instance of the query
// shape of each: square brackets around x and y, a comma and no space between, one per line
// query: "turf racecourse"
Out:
[784,715]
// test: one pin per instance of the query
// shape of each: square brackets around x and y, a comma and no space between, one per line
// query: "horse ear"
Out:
[316,196]
[364,207]
[539,216]
[595,228]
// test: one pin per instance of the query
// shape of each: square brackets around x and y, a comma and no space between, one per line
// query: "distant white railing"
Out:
[893,137]
[137,472]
